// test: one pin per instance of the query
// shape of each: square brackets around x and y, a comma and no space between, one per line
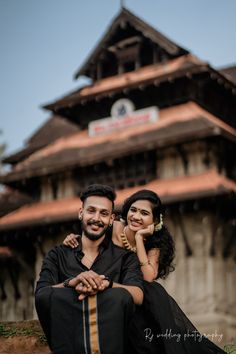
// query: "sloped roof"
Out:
[11,200]
[178,189]
[230,73]
[156,73]
[151,73]
[147,31]
[51,130]
[176,124]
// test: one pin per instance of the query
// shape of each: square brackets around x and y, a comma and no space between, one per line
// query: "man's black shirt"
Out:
[63,262]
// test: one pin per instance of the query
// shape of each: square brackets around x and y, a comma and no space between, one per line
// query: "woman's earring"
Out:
[80,217]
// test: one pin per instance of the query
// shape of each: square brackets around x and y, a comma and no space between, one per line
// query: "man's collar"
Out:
[106,241]
[103,245]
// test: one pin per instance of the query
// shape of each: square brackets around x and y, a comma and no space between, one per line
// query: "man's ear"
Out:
[112,219]
[80,213]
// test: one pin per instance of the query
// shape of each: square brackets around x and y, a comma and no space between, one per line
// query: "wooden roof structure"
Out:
[180,63]
[61,145]
[185,65]
[117,32]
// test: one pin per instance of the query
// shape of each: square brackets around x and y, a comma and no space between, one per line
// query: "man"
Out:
[85,297]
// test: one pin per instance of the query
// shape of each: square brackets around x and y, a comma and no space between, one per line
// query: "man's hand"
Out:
[89,283]
[85,291]
[90,279]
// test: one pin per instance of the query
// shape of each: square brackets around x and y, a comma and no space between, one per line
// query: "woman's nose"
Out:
[136,215]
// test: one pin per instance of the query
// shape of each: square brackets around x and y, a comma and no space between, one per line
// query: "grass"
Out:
[25,328]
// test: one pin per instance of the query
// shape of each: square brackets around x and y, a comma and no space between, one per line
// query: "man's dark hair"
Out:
[99,190]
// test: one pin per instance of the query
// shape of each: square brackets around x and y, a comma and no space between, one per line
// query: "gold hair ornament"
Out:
[158,226]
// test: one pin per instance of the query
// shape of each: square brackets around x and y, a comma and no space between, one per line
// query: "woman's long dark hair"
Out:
[160,239]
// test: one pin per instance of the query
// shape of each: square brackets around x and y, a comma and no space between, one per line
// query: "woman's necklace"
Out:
[126,243]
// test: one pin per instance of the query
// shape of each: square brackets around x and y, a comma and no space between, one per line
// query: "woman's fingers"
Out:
[71,241]
[148,231]
[151,228]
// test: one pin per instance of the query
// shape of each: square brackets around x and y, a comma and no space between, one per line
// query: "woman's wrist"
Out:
[138,236]
[142,264]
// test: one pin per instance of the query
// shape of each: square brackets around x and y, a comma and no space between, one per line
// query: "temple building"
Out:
[153,116]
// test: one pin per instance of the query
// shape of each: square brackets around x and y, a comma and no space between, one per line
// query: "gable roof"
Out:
[50,131]
[147,31]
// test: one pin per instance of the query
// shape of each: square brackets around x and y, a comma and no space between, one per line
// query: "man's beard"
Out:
[91,236]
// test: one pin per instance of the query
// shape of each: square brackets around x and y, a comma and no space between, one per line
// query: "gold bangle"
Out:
[144,263]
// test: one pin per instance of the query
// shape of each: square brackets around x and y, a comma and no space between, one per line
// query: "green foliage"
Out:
[12,331]
[8,331]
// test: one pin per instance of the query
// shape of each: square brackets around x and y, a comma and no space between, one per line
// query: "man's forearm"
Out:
[135,292]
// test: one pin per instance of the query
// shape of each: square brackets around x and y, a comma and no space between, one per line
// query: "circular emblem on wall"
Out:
[122,108]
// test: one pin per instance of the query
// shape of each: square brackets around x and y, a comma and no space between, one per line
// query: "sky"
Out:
[43,43]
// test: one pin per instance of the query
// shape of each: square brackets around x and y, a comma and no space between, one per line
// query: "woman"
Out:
[159,325]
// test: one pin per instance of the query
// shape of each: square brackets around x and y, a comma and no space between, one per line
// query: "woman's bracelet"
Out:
[142,264]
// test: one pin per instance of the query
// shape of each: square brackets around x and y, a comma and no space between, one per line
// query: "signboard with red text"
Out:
[129,119]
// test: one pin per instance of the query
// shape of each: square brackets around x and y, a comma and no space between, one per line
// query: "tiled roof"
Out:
[176,124]
[11,200]
[172,190]
[179,189]
[150,73]
[42,212]
[50,131]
